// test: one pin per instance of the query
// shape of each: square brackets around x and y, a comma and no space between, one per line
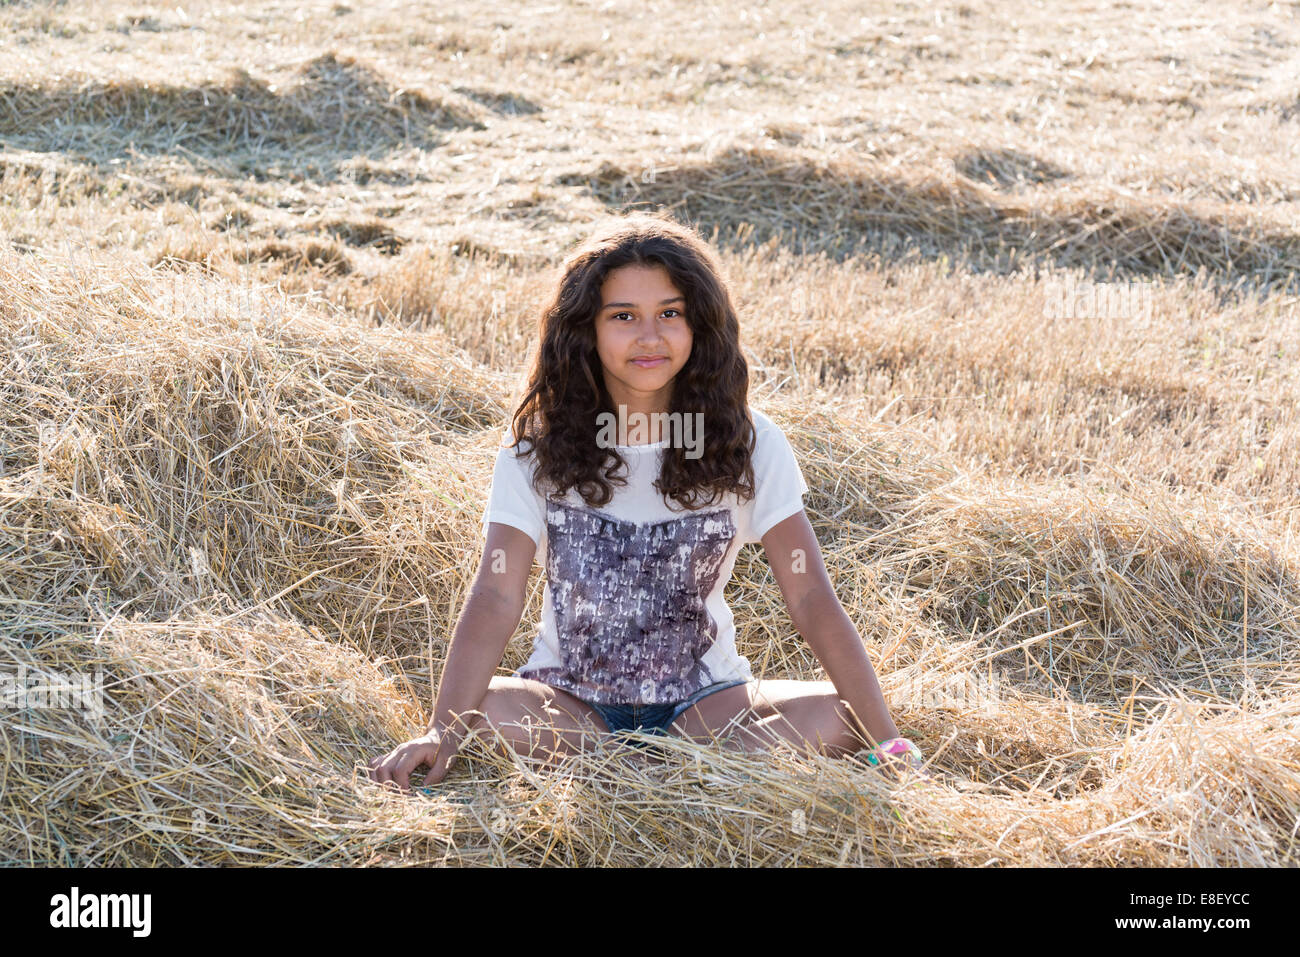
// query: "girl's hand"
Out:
[396,766]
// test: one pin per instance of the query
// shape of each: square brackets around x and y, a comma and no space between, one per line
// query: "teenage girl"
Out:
[639,368]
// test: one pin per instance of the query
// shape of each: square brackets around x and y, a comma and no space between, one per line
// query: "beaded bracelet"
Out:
[897,747]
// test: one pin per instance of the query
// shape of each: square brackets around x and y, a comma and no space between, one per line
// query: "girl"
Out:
[640,368]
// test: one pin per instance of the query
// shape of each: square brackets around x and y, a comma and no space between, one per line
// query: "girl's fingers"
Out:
[378,772]
[411,759]
[384,773]
[395,767]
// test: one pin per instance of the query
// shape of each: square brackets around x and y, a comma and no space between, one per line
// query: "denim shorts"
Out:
[653,718]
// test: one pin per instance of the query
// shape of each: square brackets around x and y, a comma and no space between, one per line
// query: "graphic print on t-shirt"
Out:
[629,602]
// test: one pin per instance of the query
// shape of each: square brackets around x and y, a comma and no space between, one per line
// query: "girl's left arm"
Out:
[816,612]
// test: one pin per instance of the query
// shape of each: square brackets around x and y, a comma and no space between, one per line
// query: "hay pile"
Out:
[256,520]
[333,107]
[756,193]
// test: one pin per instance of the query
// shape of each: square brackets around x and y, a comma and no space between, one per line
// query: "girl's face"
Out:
[642,314]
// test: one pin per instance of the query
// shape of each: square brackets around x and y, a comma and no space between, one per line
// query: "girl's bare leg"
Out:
[809,716]
[544,724]
[538,722]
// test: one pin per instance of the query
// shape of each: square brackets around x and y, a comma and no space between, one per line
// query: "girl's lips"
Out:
[649,363]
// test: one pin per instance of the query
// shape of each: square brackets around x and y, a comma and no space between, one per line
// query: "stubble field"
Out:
[1020,282]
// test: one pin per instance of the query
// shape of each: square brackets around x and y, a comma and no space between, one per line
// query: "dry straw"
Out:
[332,105]
[755,192]
[257,524]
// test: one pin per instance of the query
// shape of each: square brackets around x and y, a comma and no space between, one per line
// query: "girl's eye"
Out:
[677,313]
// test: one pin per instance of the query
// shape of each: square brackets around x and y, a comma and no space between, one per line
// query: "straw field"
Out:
[268,275]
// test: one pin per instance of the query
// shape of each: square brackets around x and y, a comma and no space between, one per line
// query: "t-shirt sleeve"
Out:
[512,499]
[779,484]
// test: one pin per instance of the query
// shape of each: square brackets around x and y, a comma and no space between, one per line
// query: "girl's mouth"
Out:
[649,363]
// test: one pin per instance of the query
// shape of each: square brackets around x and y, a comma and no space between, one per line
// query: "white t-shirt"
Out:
[633,609]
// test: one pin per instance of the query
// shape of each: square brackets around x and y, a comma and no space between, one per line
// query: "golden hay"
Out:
[266,283]
[257,525]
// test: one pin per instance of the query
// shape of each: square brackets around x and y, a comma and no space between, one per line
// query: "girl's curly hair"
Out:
[565,391]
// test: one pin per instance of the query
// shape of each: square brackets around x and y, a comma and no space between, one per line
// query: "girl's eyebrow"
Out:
[632,305]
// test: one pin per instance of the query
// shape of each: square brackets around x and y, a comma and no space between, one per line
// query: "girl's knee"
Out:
[526,725]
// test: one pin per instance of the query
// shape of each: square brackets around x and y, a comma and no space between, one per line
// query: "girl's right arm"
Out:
[490,616]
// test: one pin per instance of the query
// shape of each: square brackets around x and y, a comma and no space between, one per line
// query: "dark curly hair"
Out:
[565,390]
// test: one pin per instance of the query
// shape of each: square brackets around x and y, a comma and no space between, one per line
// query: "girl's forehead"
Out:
[631,278]
[638,272]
